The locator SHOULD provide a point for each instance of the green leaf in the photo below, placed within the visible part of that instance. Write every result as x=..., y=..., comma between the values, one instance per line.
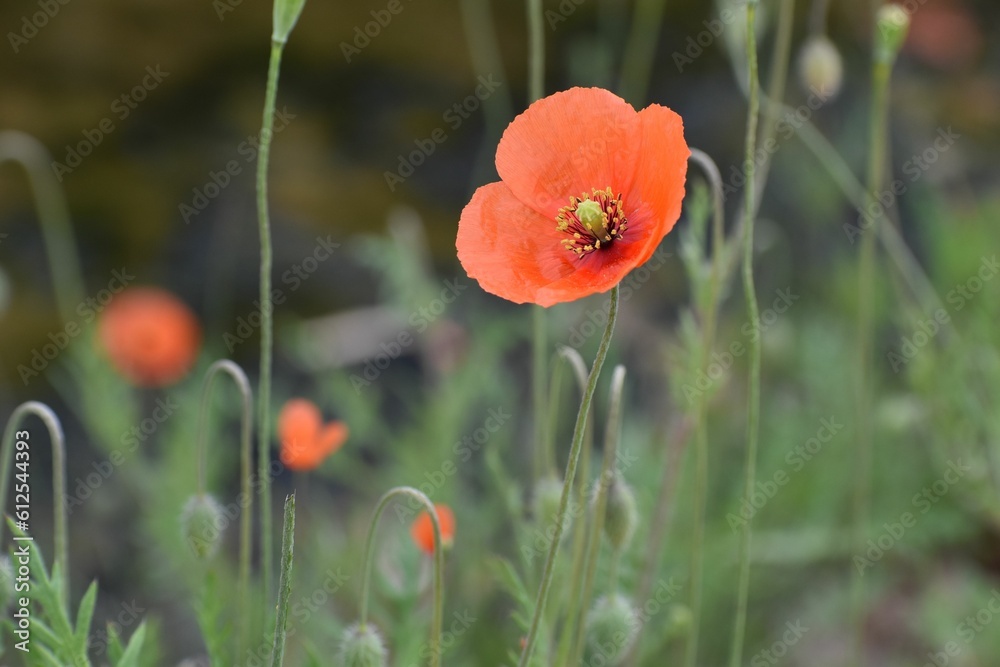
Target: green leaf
x=130, y=658
x=115, y=648
x=84, y=616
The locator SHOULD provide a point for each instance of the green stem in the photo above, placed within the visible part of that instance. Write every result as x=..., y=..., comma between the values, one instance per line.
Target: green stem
x=579, y=546
x=538, y=381
x=574, y=457
x=536, y=50
x=864, y=393
x=284, y=583
x=53, y=216
x=701, y=426
x=58, y=440
x=267, y=324
x=246, y=394
x=596, y=527
x=753, y=391
x=438, y=618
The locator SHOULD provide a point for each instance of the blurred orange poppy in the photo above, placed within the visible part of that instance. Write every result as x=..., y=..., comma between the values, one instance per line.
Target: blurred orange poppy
x=422, y=529
x=151, y=337
x=589, y=187
x=305, y=439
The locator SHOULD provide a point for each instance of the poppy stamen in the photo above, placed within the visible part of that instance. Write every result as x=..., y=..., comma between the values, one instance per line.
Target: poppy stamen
x=593, y=221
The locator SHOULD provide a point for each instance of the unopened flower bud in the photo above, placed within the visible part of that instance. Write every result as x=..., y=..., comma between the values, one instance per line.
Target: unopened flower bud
x=202, y=523
x=621, y=516
x=610, y=630
x=362, y=646
x=893, y=23
x=820, y=67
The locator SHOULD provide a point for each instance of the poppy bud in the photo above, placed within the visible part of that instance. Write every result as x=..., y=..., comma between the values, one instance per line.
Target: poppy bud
x=610, y=630
x=202, y=523
x=545, y=504
x=820, y=66
x=621, y=515
x=7, y=592
x=362, y=646
x=893, y=23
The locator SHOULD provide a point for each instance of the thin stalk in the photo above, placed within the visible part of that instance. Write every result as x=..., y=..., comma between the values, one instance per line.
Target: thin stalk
x=246, y=394
x=753, y=391
x=539, y=367
x=866, y=334
x=536, y=50
x=266, y=324
x=701, y=422
x=600, y=504
x=579, y=546
x=58, y=441
x=548, y=466
x=53, y=217
x=438, y=617
x=574, y=457
x=284, y=583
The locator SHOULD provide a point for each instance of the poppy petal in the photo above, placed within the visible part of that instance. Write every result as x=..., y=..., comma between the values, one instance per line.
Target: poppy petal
x=510, y=249
x=568, y=144
x=331, y=437
x=653, y=204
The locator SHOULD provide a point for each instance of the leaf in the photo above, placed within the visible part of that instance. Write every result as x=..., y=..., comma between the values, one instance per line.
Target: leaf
x=84, y=616
x=130, y=658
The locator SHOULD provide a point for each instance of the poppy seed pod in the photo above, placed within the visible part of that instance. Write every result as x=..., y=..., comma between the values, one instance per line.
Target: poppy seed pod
x=610, y=630
x=893, y=23
x=362, y=646
x=7, y=591
x=621, y=516
x=820, y=67
x=202, y=523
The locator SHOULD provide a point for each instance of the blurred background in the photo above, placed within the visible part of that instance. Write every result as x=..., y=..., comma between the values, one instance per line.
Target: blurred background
x=151, y=110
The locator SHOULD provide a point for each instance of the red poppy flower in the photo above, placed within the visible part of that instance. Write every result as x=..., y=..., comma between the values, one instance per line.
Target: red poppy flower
x=150, y=336
x=422, y=529
x=589, y=187
x=305, y=439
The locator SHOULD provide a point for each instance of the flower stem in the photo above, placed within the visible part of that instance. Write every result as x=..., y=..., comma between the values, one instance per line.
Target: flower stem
x=246, y=394
x=53, y=216
x=438, y=618
x=865, y=345
x=267, y=324
x=640, y=48
x=574, y=456
x=536, y=51
x=58, y=440
x=596, y=527
x=285, y=583
x=753, y=391
x=708, y=318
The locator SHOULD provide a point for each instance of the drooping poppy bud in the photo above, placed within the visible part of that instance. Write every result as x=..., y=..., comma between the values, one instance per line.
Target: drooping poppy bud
x=362, y=646
x=202, y=523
